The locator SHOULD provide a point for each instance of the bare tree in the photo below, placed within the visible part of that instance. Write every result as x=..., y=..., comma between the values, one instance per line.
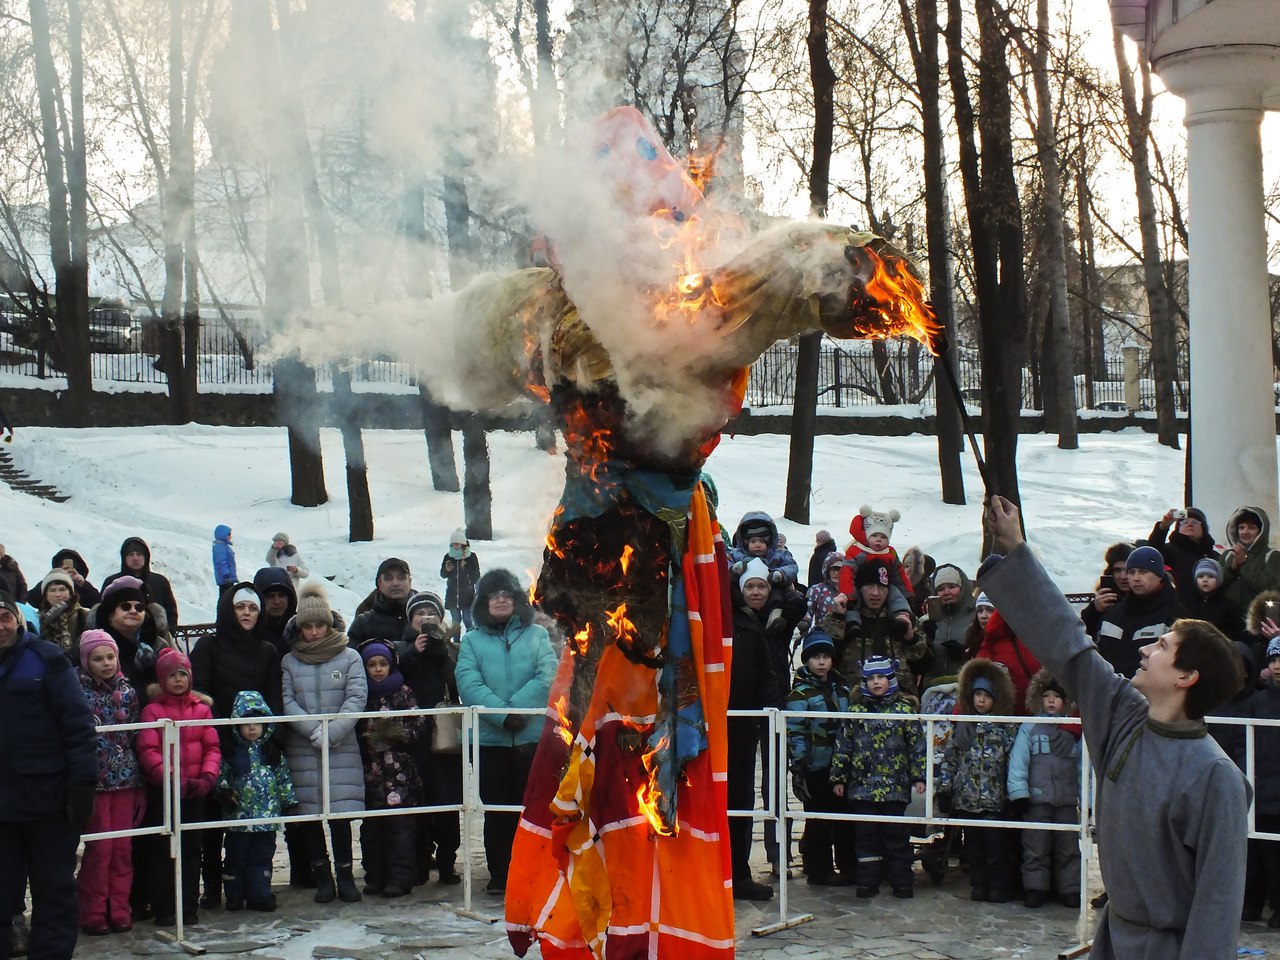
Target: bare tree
x=63, y=133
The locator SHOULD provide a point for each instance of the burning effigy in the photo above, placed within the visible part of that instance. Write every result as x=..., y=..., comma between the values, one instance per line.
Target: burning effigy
x=622, y=849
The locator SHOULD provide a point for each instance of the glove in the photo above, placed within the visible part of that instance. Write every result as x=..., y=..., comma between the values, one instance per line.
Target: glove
x=144, y=659
x=899, y=628
x=953, y=646
x=514, y=722
x=800, y=786
x=80, y=804
x=1017, y=809
x=777, y=577
x=944, y=802
x=737, y=568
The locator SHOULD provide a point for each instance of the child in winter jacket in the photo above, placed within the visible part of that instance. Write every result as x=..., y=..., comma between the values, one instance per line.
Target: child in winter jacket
x=819, y=688
x=877, y=764
x=172, y=697
x=106, y=869
x=253, y=784
x=224, y=558
x=427, y=659
x=821, y=594
x=974, y=774
x=871, y=530
x=1044, y=786
x=1208, y=599
x=391, y=778
x=1262, y=878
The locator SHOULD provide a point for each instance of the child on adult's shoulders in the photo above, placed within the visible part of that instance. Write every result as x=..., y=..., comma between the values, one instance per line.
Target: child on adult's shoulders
x=757, y=539
x=871, y=531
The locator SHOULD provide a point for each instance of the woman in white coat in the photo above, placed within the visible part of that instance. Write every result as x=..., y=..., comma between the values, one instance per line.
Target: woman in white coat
x=322, y=674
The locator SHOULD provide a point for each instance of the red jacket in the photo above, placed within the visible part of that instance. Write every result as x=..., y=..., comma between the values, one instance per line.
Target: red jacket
x=1001, y=644
x=199, y=757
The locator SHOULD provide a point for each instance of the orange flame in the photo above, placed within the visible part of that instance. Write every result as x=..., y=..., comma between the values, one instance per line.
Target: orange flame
x=625, y=560
x=896, y=303
x=563, y=726
x=582, y=640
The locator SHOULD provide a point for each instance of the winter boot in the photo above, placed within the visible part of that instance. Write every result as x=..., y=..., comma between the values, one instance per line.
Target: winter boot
x=325, y=892
x=347, y=890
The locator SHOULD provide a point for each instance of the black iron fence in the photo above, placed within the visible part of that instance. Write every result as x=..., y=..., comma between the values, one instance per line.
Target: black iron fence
x=230, y=355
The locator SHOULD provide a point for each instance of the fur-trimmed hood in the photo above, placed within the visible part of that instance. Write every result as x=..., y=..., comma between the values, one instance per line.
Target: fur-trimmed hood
x=489, y=584
x=997, y=675
x=1263, y=542
x=1036, y=688
x=1253, y=618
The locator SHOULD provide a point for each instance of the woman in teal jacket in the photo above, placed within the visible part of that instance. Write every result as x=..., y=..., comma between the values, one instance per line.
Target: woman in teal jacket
x=505, y=661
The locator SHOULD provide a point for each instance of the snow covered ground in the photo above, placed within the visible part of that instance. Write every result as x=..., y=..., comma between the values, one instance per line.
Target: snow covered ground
x=172, y=485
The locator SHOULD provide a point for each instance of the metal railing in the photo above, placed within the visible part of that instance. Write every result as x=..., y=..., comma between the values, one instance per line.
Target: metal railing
x=778, y=805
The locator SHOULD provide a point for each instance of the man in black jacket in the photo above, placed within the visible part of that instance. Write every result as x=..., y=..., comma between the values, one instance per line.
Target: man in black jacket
x=1143, y=616
x=48, y=777
x=385, y=618
x=279, y=604
x=135, y=561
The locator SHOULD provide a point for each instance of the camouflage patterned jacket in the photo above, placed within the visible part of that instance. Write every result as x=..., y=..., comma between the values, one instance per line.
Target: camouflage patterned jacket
x=975, y=765
x=879, y=760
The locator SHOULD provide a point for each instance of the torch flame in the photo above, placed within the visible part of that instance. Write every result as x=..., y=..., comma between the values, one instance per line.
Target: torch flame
x=563, y=726
x=896, y=303
x=625, y=560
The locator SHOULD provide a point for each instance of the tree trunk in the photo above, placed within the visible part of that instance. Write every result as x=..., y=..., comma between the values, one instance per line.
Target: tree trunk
x=177, y=210
x=477, y=500
x=67, y=184
x=359, y=503
x=1159, y=305
x=1062, y=359
x=995, y=227
x=1091, y=319
x=294, y=386
x=922, y=38
x=804, y=411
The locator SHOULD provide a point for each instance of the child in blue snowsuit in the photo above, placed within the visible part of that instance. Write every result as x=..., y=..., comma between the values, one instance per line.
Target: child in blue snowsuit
x=254, y=783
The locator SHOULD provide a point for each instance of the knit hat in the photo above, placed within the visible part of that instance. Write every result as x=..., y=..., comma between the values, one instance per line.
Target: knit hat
x=1210, y=566
x=377, y=648
x=872, y=571
x=90, y=640
x=247, y=595
x=756, y=569
x=170, y=662
x=280, y=536
x=8, y=602
x=1049, y=684
x=756, y=528
x=313, y=606
x=1195, y=513
x=947, y=576
x=823, y=536
x=1273, y=648
x=878, y=521
x=424, y=598
x=118, y=591
x=985, y=685
x=1146, y=558
x=983, y=601
x=392, y=563
x=816, y=641
x=57, y=576
x=876, y=666
x=459, y=536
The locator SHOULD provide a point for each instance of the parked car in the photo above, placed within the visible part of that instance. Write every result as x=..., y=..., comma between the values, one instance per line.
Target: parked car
x=113, y=328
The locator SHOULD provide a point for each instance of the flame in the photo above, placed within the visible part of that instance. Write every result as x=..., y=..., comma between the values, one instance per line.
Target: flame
x=563, y=726
x=582, y=640
x=625, y=560
x=895, y=302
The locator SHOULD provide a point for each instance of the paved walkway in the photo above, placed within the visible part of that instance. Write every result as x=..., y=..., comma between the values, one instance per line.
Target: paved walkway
x=940, y=923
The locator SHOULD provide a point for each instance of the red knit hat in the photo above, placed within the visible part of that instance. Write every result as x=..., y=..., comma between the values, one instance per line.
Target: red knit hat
x=170, y=662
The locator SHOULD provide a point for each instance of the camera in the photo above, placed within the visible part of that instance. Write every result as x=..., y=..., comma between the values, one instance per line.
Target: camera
x=1178, y=514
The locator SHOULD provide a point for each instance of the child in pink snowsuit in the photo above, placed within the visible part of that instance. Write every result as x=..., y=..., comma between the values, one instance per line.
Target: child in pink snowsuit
x=106, y=869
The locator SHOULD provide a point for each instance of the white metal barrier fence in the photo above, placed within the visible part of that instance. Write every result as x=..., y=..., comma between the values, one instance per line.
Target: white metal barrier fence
x=778, y=806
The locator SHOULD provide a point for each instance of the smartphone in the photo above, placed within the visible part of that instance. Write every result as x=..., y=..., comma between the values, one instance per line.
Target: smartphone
x=68, y=565
x=933, y=606
x=1107, y=582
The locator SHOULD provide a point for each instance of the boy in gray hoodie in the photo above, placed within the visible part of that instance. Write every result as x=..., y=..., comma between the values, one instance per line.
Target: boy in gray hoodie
x=1172, y=809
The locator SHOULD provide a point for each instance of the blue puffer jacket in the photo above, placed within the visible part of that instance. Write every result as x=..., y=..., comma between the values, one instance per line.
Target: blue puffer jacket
x=224, y=557
x=50, y=739
x=113, y=703
x=505, y=665
x=254, y=781
x=810, y=742
x=778, y=558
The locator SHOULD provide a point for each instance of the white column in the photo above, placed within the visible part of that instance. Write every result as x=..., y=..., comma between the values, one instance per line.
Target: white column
x=1233, y=423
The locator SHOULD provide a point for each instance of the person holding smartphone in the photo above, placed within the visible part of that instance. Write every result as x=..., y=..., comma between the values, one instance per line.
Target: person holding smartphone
x=1113, y=586
x=1183, y=539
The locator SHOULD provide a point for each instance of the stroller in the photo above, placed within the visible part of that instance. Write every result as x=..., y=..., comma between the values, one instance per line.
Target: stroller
x=934, y=850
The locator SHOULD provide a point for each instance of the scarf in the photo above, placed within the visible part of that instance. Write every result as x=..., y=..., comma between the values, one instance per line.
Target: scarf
x=322, y=650
x=388, y=685
x=55, y=624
